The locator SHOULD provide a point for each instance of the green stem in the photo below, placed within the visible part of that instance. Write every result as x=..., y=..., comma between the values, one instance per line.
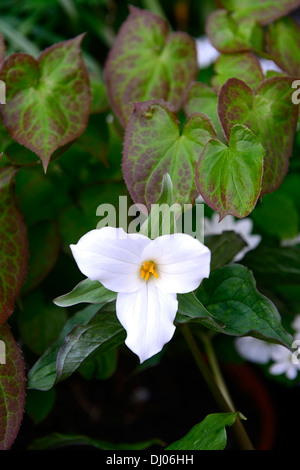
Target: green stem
x=216, y=384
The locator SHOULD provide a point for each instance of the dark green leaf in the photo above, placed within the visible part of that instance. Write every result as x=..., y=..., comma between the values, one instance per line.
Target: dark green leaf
x=230, y=295
x=210, y=434
x=43, y=374
x=281, y=265
x=57, y=441
x=87, y=291
x=224, y=248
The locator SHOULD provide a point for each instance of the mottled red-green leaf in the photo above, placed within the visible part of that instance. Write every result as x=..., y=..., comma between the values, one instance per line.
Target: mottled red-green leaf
x=13, y=245
x=263, y=11
x=270, y=114
x=154, y=146
x=148, y=62
x=200, y=98
x=242, y=65
x=283, y=44
x=229, y=177
x=229, y=35
x=48, y=99
x=12, y=389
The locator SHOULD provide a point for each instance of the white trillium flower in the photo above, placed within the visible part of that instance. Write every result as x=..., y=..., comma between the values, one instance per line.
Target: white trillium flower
x=147, y=274
x=243, y=227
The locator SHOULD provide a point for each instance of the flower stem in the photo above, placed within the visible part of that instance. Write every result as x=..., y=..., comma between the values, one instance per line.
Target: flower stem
x=216, y=384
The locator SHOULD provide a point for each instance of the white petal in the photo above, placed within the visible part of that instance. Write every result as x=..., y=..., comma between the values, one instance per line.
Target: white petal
x=111, y=256
x=147, y=316
x=278, y=368
x=253, y=349
x=181, y=262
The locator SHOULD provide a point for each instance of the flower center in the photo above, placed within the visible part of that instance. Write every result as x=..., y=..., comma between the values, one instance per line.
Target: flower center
x=148, y=268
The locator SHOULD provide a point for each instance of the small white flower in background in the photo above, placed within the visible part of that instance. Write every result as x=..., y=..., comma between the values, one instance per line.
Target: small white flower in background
x=253, y=349
x=283, y=362
x=243, y=227
x=206, y=53
x=267, y=65
x=147, y=274
x=291, y=241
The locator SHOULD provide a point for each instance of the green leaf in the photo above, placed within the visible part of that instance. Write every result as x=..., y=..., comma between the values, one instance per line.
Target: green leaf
x=48, y=99
x=100, y=367
x=190, y=309
x=242, y=65
x=281, y=265
x=87, y=291
x=154, y=146
x=264, y=11
x=210, y=434
x=40, y=322
x=283, y=39
x=13, y=245
x=224, y=248
x=58, y=440
x=270, y=114
x=230, y=295
x=43, y=374
x=228, y=35
x=147, y=62
x=229, y=177
x=203, y=99
x=44, y=245
x=283, y=225
x=12, y=389
x=39, y=404
x=101, y=333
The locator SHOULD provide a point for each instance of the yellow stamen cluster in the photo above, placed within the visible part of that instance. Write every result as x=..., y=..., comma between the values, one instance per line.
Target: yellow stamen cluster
x=147, y=269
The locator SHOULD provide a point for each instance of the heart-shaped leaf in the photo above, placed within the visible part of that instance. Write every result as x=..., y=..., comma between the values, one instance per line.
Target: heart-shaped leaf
x=12, y=388
x=200, y=98
x=230, y=295
x=147, y=62
x=154, y=146
x=229, y=177
x=228, y=35
x=242, y=65
x=48, y=99
x=13, y=245
x=283, y=39
x=270, y=114
x=264, y=11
